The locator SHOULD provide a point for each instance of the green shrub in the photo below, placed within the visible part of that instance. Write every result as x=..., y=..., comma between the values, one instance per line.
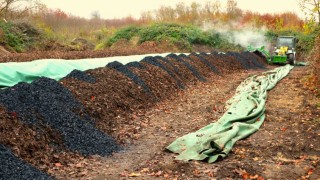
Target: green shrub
x=271, y=35
x=126, y=33
x=177, y=33
x=181, y=36
x=11, y=37
x=100, y=46
x=159, y=32
x=305, y=43
x=20, y=36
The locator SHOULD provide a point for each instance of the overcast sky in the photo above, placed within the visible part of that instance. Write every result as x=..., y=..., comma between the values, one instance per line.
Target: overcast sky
x=122, y=8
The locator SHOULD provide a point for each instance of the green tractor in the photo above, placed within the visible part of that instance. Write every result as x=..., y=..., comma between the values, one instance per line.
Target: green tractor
x=285, y=50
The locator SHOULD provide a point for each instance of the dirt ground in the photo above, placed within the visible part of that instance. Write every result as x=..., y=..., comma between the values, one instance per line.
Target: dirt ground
x=286, y=147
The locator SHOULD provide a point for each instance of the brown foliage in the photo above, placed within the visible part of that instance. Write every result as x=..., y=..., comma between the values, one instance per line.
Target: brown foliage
x=286, y=20
x=314, y=81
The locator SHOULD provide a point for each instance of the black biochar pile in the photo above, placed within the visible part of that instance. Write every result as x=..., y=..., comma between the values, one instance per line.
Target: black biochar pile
x=80, y=75
x=127, y=72
x=189, y=66
x=244, y=62
x=46, y=101
x=202, y=57
x=254, y=58
x=135, y=64
x=176, y=70
x=154, y=61
x=12, y=167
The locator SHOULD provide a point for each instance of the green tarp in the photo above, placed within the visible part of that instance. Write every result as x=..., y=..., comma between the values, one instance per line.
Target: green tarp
x=244, y=116
x=14, y=72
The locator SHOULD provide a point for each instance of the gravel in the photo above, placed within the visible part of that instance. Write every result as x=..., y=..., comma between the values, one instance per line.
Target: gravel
x=12, y=167
x=127, y=72
x=80, y=75
x=46, y=101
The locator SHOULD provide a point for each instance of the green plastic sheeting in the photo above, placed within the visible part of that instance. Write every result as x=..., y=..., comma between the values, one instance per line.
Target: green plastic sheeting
x=245, y=115
x=14, y=72
x=302, y=64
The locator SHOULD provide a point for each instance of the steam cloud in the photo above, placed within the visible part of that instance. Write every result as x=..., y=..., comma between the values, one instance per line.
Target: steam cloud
x=244, y=36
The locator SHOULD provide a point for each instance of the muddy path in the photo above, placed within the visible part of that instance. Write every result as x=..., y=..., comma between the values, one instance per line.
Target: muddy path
x=286, y=147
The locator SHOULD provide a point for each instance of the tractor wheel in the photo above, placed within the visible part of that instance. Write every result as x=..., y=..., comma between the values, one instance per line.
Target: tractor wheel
x=291, y=59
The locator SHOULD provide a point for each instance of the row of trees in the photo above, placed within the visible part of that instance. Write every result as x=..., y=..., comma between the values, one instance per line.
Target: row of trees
x=211, y=13
x=193, y=14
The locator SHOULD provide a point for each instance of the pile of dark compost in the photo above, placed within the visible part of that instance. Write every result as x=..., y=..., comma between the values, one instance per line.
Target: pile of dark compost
x=96, y=112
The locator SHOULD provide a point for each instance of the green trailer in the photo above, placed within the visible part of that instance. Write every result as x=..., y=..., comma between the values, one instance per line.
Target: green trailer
x=279, y=59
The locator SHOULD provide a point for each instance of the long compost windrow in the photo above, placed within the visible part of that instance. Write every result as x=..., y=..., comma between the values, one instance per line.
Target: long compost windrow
x=92, y=112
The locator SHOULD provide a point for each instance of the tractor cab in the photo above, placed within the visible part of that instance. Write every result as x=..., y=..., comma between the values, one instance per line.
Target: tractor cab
x=285, y=50
x=288, y=41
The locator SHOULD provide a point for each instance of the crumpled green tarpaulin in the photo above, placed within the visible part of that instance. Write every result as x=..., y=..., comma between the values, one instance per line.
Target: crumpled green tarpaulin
x=245, y=115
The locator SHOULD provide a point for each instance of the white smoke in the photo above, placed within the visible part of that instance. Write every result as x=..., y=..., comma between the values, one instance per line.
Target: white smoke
x=247, y=37
x=237, y=34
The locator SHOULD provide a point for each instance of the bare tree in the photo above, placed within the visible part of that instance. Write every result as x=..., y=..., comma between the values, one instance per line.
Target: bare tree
x=17, y=7
x=311, y=8
x=231, y=6
x=95, y=15
x=195, y=9
x=211, y=9
x=183, y=12
x=166, y=13
x=146, y=17
x=232, y=9
x=216, y=7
